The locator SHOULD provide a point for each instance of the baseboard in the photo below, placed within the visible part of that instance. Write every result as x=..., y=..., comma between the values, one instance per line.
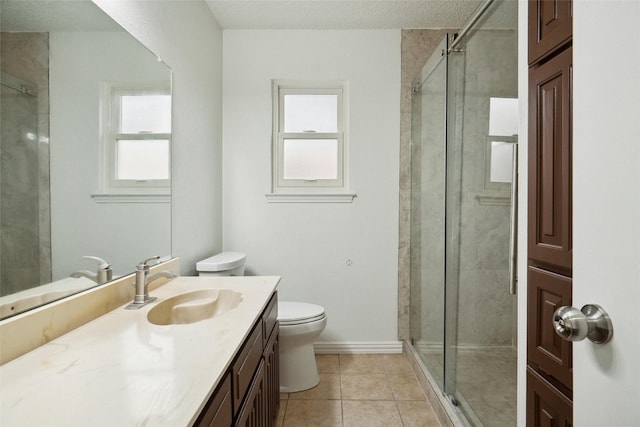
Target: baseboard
x=374, y=347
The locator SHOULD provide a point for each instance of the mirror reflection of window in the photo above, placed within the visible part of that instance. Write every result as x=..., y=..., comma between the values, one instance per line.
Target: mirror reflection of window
x=137, y=138
x=140, y=160
x=142, y=153
x=142, y=113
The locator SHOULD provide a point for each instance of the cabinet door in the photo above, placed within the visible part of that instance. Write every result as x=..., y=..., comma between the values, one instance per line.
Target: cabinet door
x=218, y=411
x=270, y=317
x=245, y=365
x=546, y=349
x=550, y=164
x=546, y=406
x=253, y=413
x=272, y=376
x=550, y=27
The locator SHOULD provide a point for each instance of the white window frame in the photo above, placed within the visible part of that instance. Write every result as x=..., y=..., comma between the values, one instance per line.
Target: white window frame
x=327, y=190
x=109, y=131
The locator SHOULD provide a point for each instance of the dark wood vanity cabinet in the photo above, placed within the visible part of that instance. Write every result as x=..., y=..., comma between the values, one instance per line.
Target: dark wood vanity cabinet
x=249, y=394
x=549, y=275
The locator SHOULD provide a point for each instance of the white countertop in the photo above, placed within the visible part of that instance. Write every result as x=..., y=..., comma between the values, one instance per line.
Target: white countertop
x=121, y=370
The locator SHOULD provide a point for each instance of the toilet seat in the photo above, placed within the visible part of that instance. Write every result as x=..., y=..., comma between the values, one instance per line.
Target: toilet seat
x=298, y=313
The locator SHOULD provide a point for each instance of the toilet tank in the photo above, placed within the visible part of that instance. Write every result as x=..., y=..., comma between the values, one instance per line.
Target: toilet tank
x=222, y=264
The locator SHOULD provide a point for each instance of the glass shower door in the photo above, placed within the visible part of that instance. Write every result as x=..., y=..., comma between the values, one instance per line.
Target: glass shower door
x=482, y=133
x=428, y=213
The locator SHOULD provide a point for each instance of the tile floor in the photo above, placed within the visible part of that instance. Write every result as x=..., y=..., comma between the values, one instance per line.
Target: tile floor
x=364, y=390
x=486, y=382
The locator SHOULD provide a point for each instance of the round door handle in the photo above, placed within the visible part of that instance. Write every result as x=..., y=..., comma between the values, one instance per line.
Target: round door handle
x=591, y=321
x=570, y=323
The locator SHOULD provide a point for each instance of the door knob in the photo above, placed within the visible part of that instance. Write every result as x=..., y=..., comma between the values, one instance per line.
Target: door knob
x=589, y=322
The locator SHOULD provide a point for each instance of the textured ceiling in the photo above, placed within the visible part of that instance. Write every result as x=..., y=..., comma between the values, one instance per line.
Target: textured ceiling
x=54, y=15
x=341, y=14
x=81, y=15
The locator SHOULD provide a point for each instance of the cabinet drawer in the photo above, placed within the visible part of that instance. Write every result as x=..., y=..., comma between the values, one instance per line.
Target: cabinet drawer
x=246, y=364
x=218, y=411
x=546, y=406
x=270, y=316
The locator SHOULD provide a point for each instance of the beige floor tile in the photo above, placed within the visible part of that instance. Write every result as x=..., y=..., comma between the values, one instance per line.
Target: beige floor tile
x=328, y=363
x=328, y=388
x=365, y=387
x=417, y=414
x=370, y=413
x=284, y=396
x=406, y=387
x=362, y=364
x=396, y=364
x=281, y=411
x=313, y=413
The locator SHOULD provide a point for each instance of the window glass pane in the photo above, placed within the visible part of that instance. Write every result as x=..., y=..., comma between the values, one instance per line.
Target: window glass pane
x=503, y=116
x=142, y=159
x=303, y=113
x=145, y=113
x=310, y=159
x=501, y=161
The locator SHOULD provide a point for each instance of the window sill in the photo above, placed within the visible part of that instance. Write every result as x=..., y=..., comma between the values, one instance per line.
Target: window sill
x=310, y=198
x=131, y=198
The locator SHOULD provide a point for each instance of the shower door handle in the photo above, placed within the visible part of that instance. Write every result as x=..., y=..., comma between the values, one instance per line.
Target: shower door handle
x=513, y=229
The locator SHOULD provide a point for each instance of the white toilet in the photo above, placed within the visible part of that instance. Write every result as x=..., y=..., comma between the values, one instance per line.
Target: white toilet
x=300, y=325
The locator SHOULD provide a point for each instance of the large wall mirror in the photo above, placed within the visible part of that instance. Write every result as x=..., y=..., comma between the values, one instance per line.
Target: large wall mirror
x=85, y=151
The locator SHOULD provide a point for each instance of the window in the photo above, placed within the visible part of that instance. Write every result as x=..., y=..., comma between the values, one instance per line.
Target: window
x=309, y=138
x=136, y=133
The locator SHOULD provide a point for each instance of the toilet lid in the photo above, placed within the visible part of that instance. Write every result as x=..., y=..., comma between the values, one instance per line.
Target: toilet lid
x=290, y=312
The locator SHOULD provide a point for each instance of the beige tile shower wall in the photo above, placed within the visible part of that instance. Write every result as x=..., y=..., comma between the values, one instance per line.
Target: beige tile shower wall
x=417, y=47
x=485, y=307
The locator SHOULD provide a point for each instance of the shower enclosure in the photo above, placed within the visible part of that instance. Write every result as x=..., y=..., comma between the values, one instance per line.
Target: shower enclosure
x=25, y=219
x=464, y=182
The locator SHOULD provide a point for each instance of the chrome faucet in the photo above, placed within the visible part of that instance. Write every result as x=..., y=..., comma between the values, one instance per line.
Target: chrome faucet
x=143, y=278
x=103, y=275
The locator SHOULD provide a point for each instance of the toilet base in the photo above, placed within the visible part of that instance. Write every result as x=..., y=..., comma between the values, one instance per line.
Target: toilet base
x=298, y=369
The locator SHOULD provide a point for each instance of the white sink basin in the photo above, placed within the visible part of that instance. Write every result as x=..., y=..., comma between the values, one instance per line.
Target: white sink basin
x=194, y=306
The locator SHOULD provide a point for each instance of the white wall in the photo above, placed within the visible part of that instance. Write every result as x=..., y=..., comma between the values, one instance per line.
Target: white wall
x=606, y=200
x=310, y=244
x=523, y=135
x=79, y=63
x=187, y=37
